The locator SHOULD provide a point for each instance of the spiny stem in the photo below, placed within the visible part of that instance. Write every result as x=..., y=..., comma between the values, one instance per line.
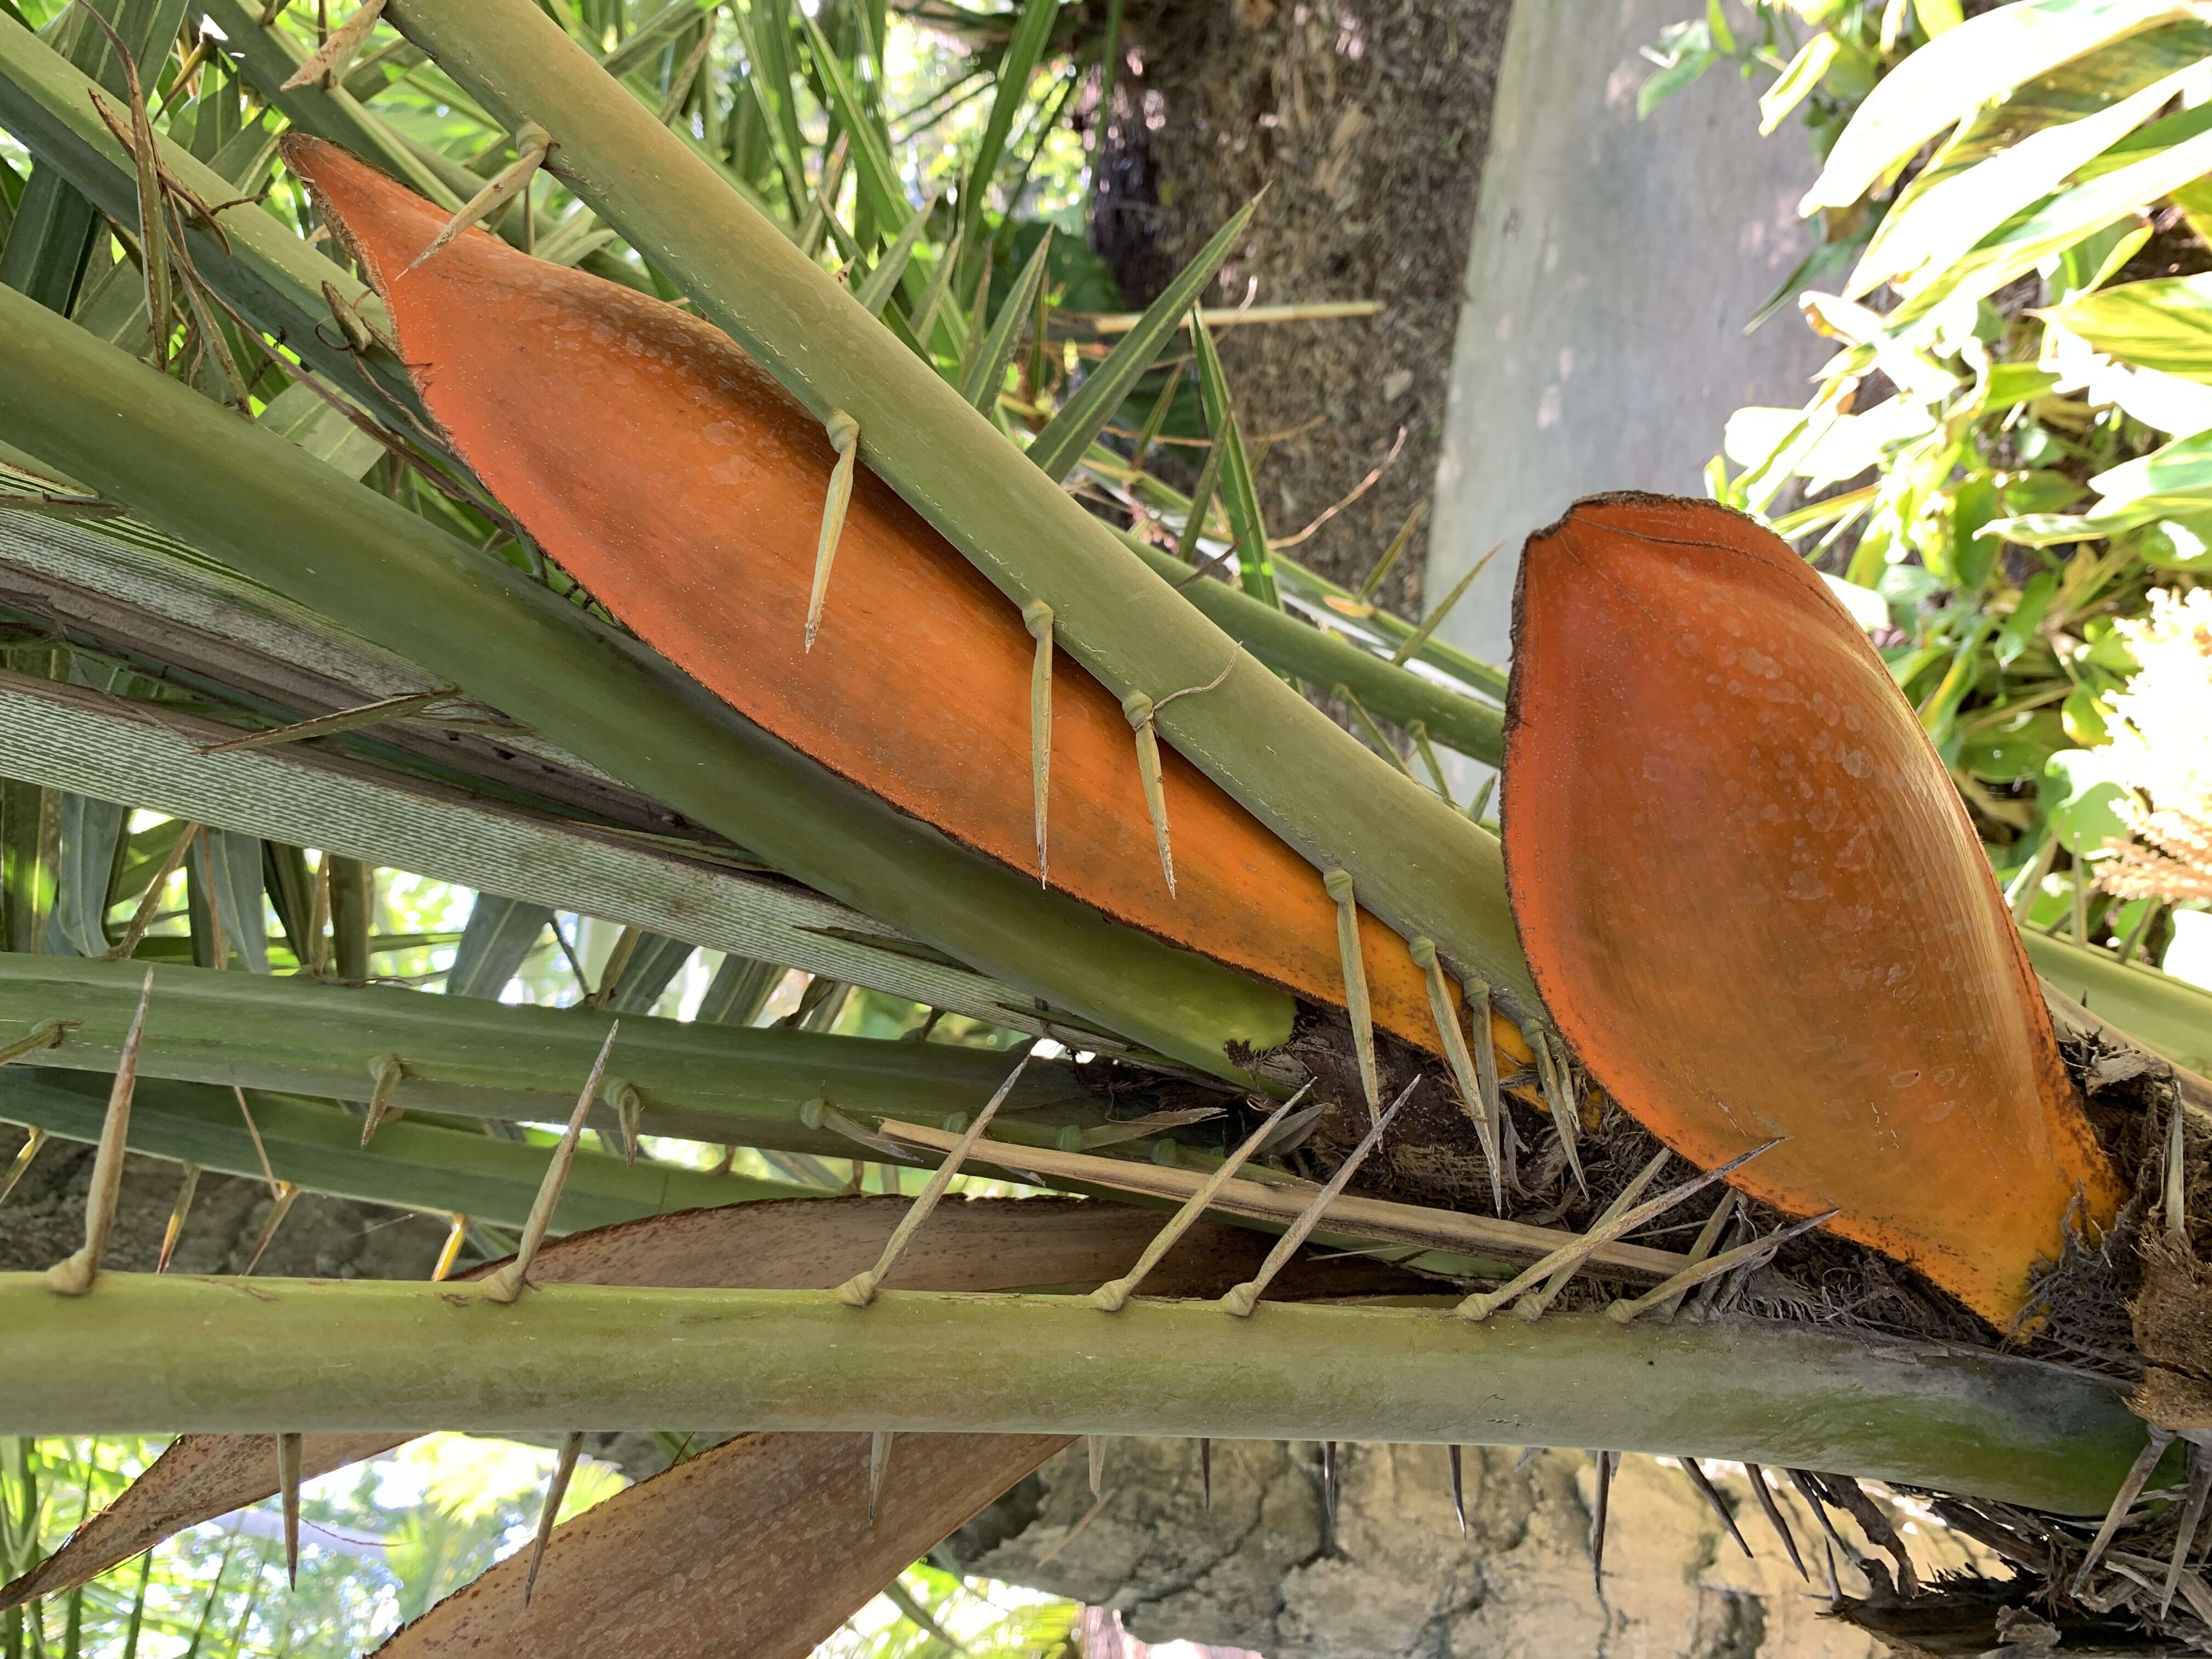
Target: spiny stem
x=74, y=1274
x=388, y=1070
x=506, y=1284
x=1114, y=1292
x=456, y=1233
x=182, y=1208
x=1244, y=1297
x=1727, y=1262
x=1612, y=1224
x=531, y=148
x=1036, y=615
x=1424, y=953
x=844, y=432
x=288, y=1486
x=1355, y=1003
x=564, y=1467
x=21, y=1164
x=861, y=1289
x=336, y=54
x=280, y=1205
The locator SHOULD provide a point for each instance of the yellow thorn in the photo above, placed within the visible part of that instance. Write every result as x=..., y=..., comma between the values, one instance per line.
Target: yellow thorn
x=506, y=1284
x=456, y=1235
x=1036, y=615
x=845, y=438
x=177, y=1214
x=74, y=1275
x=21, y=1166
x=1557, y=1096
x=1355, y=1003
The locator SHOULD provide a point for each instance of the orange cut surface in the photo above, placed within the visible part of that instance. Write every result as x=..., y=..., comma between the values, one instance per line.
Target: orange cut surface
x=1754, y=903
x=670, y=476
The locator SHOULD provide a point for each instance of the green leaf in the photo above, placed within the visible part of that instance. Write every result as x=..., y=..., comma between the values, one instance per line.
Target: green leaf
x=1797, y=81
x=500, y=934
x=2057, y=222
x=2077, y=89
x=872, y=161
x=2014, y=749
x=1024, y=50
x=230, y=865
x=986, y=375
x=1069, y=434
x=1924, y=238
x=654, y=963
x=1982, y=59
x=1248, y=528
x=89, y=832
x=876, y=288
x=2165, y=324
x=2083, y=795
x=741, y=988
x=2176, y=543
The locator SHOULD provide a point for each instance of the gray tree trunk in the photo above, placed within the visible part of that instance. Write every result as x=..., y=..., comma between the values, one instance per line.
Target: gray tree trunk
x=320, y=1237
x=1261, y=1570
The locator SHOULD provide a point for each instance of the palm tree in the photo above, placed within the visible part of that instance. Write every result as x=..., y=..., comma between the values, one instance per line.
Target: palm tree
x=767, y=622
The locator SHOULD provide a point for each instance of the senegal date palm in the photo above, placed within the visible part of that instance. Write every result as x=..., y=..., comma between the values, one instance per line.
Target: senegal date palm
x=650, y=531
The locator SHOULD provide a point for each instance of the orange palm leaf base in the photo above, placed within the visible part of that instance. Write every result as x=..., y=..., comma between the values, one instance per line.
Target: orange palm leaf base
x=1756, y=907
x=668, y=474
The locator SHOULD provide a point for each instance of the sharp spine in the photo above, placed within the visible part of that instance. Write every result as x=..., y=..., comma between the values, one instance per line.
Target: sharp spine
x=1244, y=1297
x=861, y=1289
x=1772, y=1512
x=1356, y=1005
x=564, y=1467
x=1036, y=615
x=288, y=1484
x=75, y=1274
x=844, y=434
x=506, y=1284
x=1112, y=1294
x=532, y=145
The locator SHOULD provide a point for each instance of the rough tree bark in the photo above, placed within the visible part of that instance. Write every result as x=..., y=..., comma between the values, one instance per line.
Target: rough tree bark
x=1262, y=1570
